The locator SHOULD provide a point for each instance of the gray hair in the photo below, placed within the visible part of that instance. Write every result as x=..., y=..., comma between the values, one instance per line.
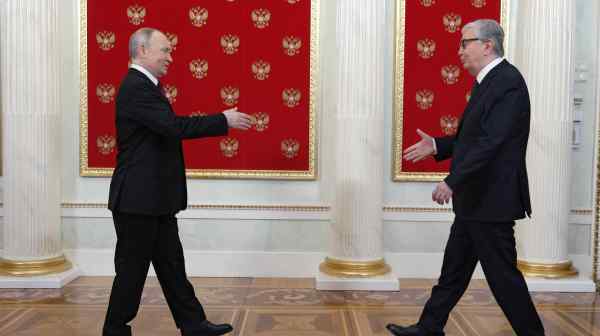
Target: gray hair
x=488, y=30
x=140, y=37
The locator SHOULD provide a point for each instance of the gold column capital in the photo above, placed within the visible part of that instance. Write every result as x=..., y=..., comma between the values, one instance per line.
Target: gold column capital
x=34, y=267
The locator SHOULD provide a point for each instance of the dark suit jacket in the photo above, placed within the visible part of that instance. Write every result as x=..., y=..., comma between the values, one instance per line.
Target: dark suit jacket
x=149, y=177
x=488, y=175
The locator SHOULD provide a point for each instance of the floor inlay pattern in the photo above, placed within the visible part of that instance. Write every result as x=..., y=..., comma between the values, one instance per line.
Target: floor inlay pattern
x=283, y=307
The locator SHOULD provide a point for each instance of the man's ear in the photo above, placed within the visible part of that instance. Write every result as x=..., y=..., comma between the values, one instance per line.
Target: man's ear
x=141, y=50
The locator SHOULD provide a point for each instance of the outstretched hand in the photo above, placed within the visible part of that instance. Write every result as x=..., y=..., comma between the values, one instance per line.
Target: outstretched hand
x=237, y=119
x=421, y=149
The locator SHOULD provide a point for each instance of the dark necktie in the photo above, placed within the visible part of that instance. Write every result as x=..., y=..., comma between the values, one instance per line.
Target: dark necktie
x=467, y=109
x=474, y=89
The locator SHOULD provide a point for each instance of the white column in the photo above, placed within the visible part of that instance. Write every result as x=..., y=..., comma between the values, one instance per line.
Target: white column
x=29, y=69
x=545, y=56
x=356, y=240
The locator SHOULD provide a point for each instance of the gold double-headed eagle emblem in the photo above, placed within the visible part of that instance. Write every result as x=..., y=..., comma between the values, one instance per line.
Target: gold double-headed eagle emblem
x=199, y=68
x=229, y=147
x=452, y=22
x=426, y=48
x=105, y=92
x=106, y=144
x=424, y=99
x=136, y=14
x=230, y=43
x=198, y=16
x=450, y=74
x=260, y=121
x=290, y=148
x=230, y=95
x=478, y=3
x=106, y=40
x=449, y=124
x=291, y=45
x=291, y=97
x=261, y=18
x=261, y=69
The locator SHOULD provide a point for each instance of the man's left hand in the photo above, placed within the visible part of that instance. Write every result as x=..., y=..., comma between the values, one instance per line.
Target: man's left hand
x=442, y=193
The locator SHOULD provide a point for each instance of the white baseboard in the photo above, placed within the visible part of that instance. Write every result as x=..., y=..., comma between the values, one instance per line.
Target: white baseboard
x=43, y=281
x=282, y=264
x=215, y=264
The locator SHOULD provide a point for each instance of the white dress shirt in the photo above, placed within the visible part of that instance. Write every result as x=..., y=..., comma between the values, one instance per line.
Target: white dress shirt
x=145, y=72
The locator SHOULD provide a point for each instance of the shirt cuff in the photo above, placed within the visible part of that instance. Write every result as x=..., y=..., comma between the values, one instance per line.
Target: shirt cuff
x=434, y=146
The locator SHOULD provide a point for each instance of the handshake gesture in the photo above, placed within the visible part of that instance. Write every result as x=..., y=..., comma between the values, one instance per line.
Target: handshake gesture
x=237, y=119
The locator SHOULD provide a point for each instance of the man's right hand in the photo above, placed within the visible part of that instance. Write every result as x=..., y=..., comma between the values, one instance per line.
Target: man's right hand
x=421, y=149
x=237, y=119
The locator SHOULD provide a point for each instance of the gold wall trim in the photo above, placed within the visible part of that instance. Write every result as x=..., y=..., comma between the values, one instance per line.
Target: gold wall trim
x=342, y=268
x=256, y=207
x=398, y=104
x=585, y=212
x=550, y=271
x=310, y=174
x=426, y=210
x=303, y=208
x=596, y=225
x=33, y=268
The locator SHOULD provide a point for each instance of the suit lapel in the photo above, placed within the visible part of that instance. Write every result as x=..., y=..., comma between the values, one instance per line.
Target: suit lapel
x=154, y=87
x=483, y=87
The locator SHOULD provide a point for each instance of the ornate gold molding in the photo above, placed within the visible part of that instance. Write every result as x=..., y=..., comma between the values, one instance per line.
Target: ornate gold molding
x=33, y=268
x=550, y=271
x=310, y=174
x=409, y=209
x=361, y=269
x=584, y=212
x=256, y=207
x=596, y=225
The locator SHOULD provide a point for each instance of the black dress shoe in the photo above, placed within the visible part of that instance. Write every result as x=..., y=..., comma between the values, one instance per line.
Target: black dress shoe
x=206, y=328
x=413, y=330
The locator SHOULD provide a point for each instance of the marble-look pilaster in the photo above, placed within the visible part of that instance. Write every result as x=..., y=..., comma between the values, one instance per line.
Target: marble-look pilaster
x=356, y=241
x=30, y=84
x=545, y=50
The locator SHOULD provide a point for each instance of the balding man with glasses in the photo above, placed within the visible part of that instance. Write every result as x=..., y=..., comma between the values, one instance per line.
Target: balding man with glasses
x=488, y=186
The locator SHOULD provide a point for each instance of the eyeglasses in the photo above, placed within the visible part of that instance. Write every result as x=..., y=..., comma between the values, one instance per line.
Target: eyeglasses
x=464, y=42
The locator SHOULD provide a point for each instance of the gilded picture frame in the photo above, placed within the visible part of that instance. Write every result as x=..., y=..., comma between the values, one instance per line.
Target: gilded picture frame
x=309, y=174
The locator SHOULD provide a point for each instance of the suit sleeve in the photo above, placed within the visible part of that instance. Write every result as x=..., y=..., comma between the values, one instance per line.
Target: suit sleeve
x=445, y=147
x=147, y=108
x=497, y=123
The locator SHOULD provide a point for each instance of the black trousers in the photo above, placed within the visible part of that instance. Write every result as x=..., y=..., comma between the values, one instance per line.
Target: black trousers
x=143, y=239
x=493, y=245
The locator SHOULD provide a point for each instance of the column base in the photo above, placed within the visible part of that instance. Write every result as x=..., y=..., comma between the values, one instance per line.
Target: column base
x=343, y=268
x=387, y=282
x=580, y=284
x=547, y=271
x=57, y=280
x=34, y=267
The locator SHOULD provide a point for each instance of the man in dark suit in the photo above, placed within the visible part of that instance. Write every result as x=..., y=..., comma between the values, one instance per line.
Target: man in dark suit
x=488, y=186
x=148, y=188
